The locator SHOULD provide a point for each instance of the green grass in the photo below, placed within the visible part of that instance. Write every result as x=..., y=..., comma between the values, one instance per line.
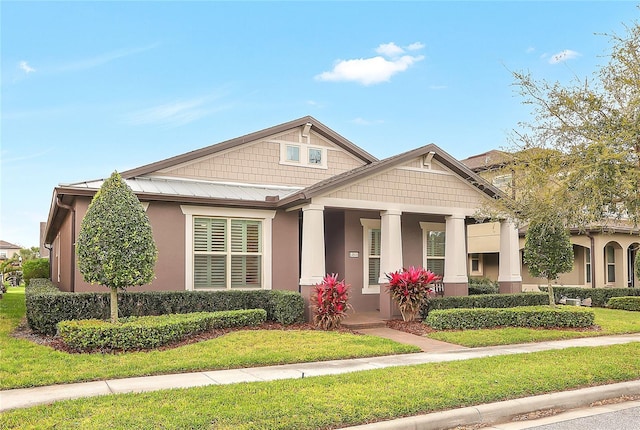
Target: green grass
x=26, y=364
x=349, y=399
x=610, y=321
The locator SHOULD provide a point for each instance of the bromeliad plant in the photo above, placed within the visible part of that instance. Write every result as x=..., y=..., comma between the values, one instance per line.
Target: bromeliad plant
x=329, y=302
x=410, y=288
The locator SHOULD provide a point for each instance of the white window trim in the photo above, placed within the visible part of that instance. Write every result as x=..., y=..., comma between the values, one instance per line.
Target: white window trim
x=367, y=225
x=304, y=155
x=266, y=216
x=612, y=264
x=426, y=228
x=587, y=266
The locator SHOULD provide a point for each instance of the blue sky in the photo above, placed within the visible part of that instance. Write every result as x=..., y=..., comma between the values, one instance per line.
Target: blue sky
x=92, y=87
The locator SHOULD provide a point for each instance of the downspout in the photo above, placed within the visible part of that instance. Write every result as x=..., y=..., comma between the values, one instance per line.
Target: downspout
x=50, y=248
x=71, y=209
x=593, y=266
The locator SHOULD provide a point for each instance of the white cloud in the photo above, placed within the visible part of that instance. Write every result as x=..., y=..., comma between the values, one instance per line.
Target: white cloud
x=562, y=56
x=25, y=67
x=389, y=50
x=362, y=121
x=416, y=46
x=374, y=70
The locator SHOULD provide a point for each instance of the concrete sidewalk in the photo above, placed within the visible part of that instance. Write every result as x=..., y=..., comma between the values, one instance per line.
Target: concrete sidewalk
x=26, y=397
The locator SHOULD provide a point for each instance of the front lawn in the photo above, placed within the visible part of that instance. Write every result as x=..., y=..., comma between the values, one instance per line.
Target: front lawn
x=342, y=400
x=26, y=364
x=610, y=322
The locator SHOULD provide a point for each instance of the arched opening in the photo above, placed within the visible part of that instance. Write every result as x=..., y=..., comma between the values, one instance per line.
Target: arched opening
x=614, y=275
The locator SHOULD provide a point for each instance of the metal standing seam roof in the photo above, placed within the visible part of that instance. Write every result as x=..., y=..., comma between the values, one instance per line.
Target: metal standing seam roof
x=194, y=188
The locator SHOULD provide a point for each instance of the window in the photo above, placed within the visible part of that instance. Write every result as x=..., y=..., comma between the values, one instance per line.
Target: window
x=610, y=258
x=227, y=248
x=315, y=156
x=372, y=248
x=433, y=241
x=227, y=253
x=303, y=155
x=476, y=264
x=3, y=254
x=502, y=182
x=293, y=153
x=587, y=264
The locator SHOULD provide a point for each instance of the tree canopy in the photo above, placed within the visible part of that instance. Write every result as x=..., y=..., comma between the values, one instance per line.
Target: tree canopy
x=579, y=156
x=115, y=246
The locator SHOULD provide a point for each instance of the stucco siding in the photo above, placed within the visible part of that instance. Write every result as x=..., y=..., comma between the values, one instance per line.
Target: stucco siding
x=259, y=163
x=405, y=186
x=285, y=250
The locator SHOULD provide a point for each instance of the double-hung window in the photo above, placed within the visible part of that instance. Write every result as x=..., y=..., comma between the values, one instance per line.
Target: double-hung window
x=610, y=257
x=372, y=248
x=227, y=253
x=433, y=241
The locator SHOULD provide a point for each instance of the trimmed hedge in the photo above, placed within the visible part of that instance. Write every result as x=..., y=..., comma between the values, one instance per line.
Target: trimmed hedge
x=151, y=331
x=485, y=301
x=624, y=303
x=599, y=296
x=530, y=316
x=47, y=306
x=483, y=286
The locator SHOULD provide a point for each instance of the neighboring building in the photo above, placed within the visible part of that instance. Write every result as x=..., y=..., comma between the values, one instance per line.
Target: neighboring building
x=8, y=250
x=603, y=257
x=42, y=250
x=281, y=207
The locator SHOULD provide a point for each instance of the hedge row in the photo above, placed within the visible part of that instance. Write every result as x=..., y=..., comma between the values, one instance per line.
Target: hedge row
x=599, y=296
x=624, y=303
x=486, y=301
x=151, y=331
x=47, y=306
x=530, y=316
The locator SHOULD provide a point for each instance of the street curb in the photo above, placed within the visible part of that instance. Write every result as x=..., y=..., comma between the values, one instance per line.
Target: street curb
x=500, y=412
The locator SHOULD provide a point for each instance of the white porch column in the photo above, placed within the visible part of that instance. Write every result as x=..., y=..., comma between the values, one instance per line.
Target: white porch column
x=509, y=277
x=455, y=278
x=390, y=256
x=312, y=264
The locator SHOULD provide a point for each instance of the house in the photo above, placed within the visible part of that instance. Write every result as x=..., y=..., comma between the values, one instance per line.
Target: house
x=603, y=255
x=8, y=250
x=281, y=207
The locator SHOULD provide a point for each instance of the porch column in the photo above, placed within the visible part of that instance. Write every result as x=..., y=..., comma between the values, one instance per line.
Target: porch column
x=509, y=277
x=312, y=264
x=390, y=256
x=456, y=279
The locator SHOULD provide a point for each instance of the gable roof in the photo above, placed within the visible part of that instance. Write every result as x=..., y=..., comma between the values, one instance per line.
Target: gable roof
x=7, y=245
x=486, y=160
x=378, y=166
x=317, y=126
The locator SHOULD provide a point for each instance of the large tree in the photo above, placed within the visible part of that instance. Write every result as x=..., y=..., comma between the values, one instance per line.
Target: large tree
x=579, y=156
x=548, y=251
x=115, y=245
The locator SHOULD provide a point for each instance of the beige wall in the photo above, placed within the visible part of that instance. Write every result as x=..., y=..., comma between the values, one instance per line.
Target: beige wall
x=413, y=187
x=483, y=238
x=259, y=163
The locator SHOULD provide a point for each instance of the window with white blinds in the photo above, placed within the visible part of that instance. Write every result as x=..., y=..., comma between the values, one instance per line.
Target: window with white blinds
x=374, y=256
x=371, y=249
x=435, y=251
x=227, y=253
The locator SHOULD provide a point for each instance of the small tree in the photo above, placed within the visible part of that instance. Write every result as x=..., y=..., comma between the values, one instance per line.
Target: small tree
x=115, y=246
x=548, y=251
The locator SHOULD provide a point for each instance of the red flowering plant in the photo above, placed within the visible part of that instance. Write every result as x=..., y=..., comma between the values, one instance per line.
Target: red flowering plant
x=329, y=302
x=410, y=288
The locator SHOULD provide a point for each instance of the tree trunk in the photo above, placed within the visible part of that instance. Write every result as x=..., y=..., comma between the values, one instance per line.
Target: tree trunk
x=552, y=299
x=114, y=305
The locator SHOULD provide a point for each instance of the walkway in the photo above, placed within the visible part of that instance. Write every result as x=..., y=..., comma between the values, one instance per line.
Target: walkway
x=25, y=397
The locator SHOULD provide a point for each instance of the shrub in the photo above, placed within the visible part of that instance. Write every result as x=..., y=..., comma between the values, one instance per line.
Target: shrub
x=329, y=302
x=483, y=286
x=47, y=306
x=599, y=296
x=287, y=307
x=36, y=268
x=486, y=301
x=151, y=331
x=409, y=288
x=624, y=303
x=530, y=316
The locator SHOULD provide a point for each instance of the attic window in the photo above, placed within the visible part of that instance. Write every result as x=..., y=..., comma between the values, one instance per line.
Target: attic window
x=303, y=155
